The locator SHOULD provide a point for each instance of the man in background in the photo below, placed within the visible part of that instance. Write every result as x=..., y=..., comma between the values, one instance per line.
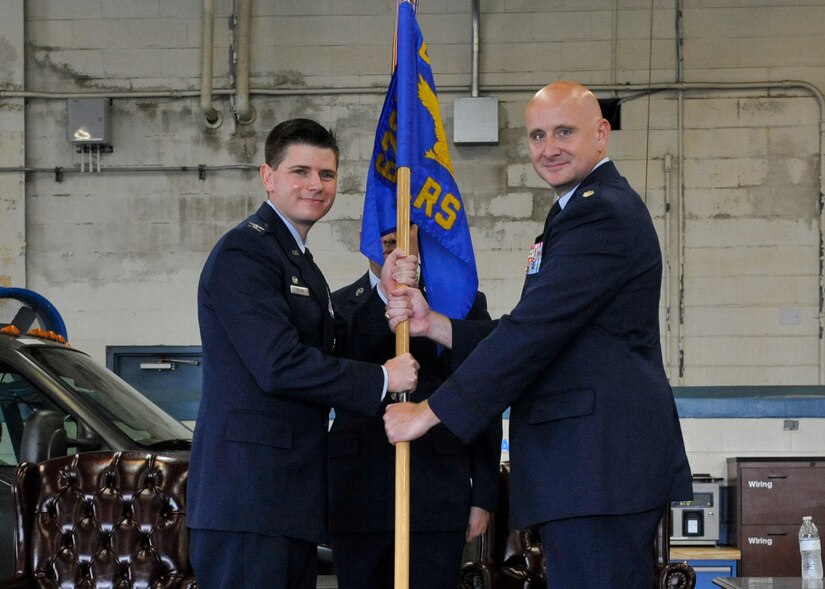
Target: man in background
x=453, y=488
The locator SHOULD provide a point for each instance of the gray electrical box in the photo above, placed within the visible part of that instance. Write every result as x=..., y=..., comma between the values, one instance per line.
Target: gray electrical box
x=89, y=121
x=475, y=120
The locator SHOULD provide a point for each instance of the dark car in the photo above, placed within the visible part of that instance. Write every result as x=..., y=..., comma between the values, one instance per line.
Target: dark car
x=56, y=400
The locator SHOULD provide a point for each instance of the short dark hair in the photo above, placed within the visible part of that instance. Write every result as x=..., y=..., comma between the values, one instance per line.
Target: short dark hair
x=297, y=131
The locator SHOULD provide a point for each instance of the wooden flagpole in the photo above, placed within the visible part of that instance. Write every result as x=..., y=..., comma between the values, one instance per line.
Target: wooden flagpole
x=402, y=346
x=402, y=449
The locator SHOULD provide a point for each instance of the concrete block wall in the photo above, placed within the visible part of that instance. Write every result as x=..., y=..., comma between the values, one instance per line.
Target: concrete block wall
x=731, y=175
x=12, y=148
x=751, y=238
x=710, y=442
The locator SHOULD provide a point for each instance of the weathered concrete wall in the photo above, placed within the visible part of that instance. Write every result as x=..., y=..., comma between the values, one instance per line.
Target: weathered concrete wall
x=12, y=147
x=119, y=252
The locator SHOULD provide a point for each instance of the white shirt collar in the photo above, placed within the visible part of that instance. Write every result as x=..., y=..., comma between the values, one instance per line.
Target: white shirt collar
x=289, y=226
x=566, y=196
x=374, y=280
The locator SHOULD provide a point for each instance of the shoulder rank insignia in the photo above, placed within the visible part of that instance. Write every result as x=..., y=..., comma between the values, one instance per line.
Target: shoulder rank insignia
x=256, y=227
x=588, y=193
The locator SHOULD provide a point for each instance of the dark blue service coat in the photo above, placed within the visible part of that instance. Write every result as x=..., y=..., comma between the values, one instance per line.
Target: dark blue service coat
x=362, y=461
x=269, y=378
x=593, y=423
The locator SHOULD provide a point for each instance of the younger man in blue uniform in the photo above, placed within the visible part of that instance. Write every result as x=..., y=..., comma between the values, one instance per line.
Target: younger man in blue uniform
x=256, y=498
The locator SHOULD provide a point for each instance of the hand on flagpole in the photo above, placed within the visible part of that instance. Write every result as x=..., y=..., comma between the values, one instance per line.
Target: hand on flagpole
x=402, y=373
x=408, y=303
x=405, y=422
x=399, y=269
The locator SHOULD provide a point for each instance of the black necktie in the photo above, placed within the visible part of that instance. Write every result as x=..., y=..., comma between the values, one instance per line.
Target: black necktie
x=308, y=255
x=318, y=284
x=554, y=210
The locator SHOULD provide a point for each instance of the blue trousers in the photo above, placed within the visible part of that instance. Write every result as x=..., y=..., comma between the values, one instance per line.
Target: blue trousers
x=243, y=560
x=601, y=552
x=367, y=560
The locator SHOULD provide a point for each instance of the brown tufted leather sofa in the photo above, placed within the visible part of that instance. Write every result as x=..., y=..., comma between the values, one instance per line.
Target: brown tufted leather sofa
x=101, y=519
x=513, y=559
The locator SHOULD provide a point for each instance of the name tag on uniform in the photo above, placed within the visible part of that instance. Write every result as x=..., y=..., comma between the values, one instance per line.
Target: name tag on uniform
x=299, y=290
x=534, y=258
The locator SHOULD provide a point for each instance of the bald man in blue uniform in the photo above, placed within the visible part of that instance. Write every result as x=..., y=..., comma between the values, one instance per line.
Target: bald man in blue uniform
x=596, y=447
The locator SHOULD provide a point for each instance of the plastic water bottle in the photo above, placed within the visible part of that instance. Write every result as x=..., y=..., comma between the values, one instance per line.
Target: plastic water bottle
x=811, y=549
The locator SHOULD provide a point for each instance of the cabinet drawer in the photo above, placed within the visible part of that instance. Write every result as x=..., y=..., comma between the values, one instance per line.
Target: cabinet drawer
x=782, y=494
x=770, y=551
x=707, y=571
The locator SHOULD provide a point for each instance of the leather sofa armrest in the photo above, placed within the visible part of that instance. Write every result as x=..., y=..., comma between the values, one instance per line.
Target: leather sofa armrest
x=677, y=575
x=517, y=578
x=477, y=575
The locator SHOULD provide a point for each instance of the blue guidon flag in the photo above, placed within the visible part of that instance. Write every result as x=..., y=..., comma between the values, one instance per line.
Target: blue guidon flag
x=411, y=134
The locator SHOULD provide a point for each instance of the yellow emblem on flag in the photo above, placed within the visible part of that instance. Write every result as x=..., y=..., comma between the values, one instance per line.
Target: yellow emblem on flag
x=440, y=151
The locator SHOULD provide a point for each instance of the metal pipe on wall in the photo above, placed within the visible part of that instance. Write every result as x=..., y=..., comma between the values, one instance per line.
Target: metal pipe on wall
x=244, y=113
x=821, y=312
x=636, y=89
x=211, y=115
x=614, y=50
x=475, y=48
x=680, y=236
x=681, y=225
x=59, y=172
x=668, y=166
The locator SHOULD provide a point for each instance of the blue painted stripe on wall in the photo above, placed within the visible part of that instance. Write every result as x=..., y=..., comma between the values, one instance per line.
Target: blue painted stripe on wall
x=750, y=401
x=691, y=402
x=747, y=401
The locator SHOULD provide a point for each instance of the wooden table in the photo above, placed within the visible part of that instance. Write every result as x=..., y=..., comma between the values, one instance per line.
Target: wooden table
x=705, y=553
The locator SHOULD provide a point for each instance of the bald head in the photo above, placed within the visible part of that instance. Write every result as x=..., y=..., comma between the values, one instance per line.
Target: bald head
x=567, y=134
x=570, y=94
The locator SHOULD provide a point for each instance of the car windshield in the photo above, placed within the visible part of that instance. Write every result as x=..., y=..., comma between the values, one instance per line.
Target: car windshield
x=135, y=415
